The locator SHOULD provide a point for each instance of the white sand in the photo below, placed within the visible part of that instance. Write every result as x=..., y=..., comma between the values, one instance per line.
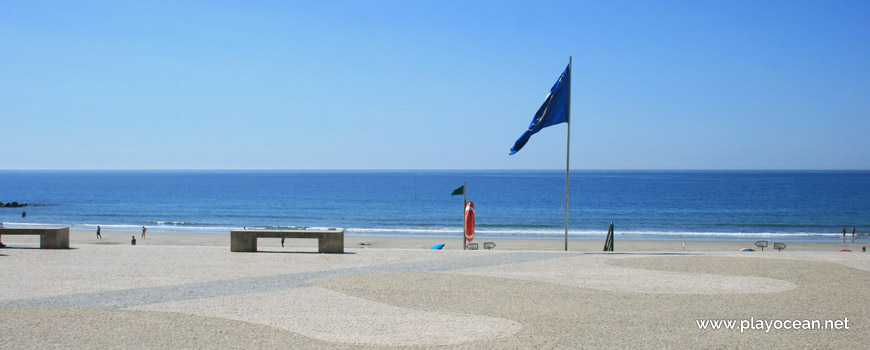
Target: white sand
x=594, y=272
x=190, y=291
x=328, y=315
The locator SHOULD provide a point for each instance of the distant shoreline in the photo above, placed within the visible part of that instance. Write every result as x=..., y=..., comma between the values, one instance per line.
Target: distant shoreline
x=861, y=237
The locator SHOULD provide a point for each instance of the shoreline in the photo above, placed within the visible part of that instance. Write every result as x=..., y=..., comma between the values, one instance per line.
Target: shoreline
x=785, y=237
x=354, y=241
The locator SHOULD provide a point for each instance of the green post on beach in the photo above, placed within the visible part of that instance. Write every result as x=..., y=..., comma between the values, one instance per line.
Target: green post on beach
x=608, y=242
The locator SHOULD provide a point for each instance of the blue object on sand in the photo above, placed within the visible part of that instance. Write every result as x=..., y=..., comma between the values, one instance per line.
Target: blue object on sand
x=747, y=250
x=438, y=246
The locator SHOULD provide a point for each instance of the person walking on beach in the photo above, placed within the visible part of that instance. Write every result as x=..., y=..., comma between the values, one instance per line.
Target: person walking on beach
x=145, y=229
x=1, y=241
x=133, y=241
x=99, y=236
x=844, y=234
x=853, y=234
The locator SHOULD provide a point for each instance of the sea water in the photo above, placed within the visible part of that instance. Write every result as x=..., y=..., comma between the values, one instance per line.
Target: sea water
x=794, y=205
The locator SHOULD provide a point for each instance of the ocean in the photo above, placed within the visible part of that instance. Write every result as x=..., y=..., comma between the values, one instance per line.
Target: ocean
x=788, y=205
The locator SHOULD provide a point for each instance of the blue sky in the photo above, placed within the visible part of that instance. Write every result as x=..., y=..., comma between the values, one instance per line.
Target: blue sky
x=433, y=84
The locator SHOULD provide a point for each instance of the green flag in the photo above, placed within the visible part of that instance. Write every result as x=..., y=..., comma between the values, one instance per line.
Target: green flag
x=460, y=190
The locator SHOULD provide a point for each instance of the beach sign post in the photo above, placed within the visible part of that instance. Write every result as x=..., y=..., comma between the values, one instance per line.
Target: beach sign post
x=458, y=191
x=555, y=110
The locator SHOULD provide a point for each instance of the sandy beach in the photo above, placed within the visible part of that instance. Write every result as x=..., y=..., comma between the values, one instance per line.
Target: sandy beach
x=412, y=242
x=190, y=291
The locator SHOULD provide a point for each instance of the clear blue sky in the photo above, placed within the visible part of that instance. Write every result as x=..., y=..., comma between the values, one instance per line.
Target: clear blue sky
x=433, y=84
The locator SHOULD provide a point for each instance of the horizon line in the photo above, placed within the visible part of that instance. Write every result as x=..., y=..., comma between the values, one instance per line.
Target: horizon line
x=423, y=169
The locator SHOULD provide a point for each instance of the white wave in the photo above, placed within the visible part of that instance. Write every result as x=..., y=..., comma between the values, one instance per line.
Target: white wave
x=124, y=227
x=439, y=231
x=550, y=232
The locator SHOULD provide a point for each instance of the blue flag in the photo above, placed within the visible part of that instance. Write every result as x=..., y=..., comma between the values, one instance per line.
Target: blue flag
x=552, y=112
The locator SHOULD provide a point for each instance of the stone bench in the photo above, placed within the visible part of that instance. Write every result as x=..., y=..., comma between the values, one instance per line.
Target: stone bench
x=329, y=241
x=49, y=238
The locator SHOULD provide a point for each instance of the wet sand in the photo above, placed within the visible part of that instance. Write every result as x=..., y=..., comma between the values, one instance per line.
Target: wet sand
x=387, y=242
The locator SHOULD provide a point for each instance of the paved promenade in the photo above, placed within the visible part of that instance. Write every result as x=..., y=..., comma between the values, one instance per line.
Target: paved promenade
x=121, y=296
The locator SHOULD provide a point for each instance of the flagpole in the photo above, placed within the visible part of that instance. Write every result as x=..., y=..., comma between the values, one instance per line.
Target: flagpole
x=568, y=154
x=464, y=203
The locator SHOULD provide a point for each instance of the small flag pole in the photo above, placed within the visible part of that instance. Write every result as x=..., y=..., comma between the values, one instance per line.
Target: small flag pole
x=568, y=154
x=464, y=202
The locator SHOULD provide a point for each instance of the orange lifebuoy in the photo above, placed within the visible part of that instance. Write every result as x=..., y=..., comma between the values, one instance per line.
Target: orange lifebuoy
x=469, y=221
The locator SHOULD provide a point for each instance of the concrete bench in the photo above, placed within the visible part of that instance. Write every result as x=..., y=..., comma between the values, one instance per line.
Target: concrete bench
x=49, y=238
x=329, y=241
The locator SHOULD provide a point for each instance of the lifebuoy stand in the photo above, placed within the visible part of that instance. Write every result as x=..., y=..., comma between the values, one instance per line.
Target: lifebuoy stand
x=469, y=222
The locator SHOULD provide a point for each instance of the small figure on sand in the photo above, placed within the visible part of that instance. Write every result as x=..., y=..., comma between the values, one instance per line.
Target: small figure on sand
x=133, y=241
x=1, y=241
x=844, y=234
x=282, y=241
x=853, y=234
x=99, y=236
x=145, y=229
